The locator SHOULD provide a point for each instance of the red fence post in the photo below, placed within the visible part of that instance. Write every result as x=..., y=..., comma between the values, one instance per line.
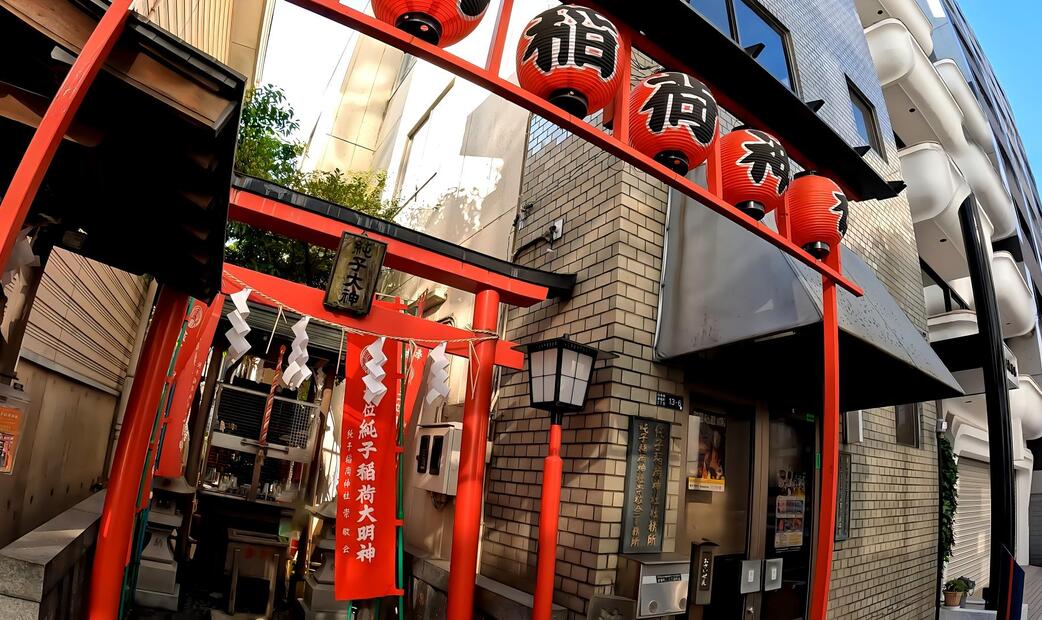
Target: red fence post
x=48, y=136
x=117, y=517
x=466, y=527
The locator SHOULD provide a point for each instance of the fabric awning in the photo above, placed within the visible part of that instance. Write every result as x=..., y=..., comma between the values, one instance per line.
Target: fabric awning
x=742, y=314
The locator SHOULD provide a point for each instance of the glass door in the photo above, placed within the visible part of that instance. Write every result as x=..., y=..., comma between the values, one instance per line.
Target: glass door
x=791, y=471
x=750, y=481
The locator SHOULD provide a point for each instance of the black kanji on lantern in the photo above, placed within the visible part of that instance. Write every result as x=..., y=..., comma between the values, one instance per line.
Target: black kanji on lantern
x=842, y=209
x=763, y=154
x=679, y=100
x=583, y=39
x=473, y=8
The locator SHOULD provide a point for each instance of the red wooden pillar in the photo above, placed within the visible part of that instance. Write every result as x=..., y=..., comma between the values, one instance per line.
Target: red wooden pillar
x=117, y=517
x=48, y=136
x=466, y=528
x=826, y=534
x=549, y=514
x=499, y=38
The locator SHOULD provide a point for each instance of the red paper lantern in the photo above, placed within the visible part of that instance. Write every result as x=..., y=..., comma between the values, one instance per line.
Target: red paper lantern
x=755, y=171
x=673, y=118
x=439, y=22
x=817, y=213
x=570, y=55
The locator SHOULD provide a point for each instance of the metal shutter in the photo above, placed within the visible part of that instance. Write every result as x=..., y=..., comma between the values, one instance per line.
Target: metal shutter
x=970, y=557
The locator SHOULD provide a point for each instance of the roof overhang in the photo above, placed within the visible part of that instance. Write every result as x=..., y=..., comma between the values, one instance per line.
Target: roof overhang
x=742, y=314
x=141, y=179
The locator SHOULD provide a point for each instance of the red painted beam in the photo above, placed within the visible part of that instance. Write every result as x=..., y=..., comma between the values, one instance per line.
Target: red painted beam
x=285, y=219
x=55, y=123
x=385, y=33
x=381, y=320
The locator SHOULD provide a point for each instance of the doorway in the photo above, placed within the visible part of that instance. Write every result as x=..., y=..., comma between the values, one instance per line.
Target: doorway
x=750, y=482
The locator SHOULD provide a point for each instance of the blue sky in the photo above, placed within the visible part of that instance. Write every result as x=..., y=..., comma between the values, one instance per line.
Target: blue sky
x=1010, y=31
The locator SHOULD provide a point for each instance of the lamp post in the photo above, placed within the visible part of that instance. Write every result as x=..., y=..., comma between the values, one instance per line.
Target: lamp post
x=559, y=373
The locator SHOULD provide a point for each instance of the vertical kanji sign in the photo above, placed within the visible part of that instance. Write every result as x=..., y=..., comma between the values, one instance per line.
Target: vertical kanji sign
x=188, y=369
x=366, y=493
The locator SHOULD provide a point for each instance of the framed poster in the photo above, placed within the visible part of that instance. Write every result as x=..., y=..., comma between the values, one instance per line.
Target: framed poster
x=712, y=442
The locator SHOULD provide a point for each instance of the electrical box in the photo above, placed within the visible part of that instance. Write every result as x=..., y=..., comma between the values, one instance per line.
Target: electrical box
x=437, y=457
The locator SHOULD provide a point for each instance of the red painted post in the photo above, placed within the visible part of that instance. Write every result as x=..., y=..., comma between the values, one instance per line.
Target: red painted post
x=117, y=517
x=466, y=528
x=826, y=535
x=499, y=37
x=621, y=108
x=549, y=513
x=48, y=136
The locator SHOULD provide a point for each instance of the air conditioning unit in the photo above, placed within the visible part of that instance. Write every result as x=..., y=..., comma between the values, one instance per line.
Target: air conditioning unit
x=437, y=457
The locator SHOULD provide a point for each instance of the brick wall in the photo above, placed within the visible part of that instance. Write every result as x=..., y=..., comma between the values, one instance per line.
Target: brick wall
x=613, y=239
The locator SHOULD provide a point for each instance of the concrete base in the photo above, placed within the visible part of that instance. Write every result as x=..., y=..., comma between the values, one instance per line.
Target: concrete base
x=157, y=577
x=159, y=600
x=312, y=614
x=963, y=613
x=321, y=596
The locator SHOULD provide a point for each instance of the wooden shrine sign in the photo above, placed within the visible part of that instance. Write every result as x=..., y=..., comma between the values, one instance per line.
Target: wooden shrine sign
x=353, y=278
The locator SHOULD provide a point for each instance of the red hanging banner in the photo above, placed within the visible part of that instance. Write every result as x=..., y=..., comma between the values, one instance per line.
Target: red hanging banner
x=366, y=514
x=188, y=369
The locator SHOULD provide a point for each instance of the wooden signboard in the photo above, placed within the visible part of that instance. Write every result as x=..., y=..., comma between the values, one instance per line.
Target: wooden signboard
x=353, y=278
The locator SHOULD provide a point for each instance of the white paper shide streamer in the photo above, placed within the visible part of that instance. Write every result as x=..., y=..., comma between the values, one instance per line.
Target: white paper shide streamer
x=297, y=370
x=21, y=257
x=374, y=372
x=236, y=334
x=438, y=377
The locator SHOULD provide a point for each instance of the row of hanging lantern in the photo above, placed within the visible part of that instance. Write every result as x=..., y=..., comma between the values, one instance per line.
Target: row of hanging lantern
x=571, y=56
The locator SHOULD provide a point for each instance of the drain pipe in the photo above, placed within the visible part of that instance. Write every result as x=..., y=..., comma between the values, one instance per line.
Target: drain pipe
x=139, y=338
x=1000, y=445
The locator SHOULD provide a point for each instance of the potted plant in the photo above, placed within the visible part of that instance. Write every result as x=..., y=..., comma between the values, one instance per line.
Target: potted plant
x=956, y=590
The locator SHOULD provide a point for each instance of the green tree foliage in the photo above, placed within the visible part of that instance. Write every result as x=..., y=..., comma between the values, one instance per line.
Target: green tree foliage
x=267, y=150
x=949, y=497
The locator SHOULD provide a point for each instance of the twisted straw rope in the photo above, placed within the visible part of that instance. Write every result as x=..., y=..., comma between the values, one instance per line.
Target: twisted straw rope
x=487, y=335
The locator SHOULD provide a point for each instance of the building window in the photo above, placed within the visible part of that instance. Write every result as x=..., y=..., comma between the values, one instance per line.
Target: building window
x=865, y=120
x=843, y=498
x=745, y=23
x=907, y=422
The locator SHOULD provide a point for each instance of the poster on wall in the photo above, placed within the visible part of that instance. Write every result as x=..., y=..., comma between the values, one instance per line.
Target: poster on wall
x=789, y=509
x=366, y=523
x=10, y=433
x=709, y=468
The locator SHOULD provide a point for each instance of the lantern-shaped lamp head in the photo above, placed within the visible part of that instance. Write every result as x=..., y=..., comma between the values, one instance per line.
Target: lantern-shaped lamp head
x=559, y=372
x=817, y=213
x=755, y=170
x=570, y=55
x=673, y=118
x=438, y=22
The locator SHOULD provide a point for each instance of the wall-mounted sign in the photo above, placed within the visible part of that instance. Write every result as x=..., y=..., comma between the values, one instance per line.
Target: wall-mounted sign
x=669, y=401
x=352, y=280
x=1012, y=374
x=644, y=510
x=10, y=434
x=712, y=443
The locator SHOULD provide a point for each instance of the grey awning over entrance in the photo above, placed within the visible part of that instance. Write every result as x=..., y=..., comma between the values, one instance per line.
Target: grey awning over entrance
x=745, y=316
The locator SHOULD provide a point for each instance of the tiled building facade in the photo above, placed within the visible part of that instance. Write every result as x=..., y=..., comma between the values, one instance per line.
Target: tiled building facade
x=613, y=239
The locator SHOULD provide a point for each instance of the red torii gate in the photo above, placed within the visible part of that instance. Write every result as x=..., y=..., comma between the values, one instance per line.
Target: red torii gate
x=114, y=533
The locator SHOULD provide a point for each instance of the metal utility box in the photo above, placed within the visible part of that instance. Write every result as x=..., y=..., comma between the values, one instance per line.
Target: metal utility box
x=657, y=581
x=437, y=457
